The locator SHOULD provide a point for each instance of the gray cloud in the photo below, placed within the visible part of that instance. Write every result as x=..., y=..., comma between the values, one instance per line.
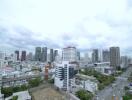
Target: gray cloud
x=85, y=25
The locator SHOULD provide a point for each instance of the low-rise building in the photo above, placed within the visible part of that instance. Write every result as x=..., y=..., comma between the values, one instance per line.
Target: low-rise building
x=88, y=83
x=90, y=86
x=104, y=68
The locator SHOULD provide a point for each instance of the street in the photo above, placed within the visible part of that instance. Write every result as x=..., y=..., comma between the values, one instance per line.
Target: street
x=116, y=89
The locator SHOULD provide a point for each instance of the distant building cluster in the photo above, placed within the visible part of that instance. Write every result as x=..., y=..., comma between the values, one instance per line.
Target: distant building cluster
x=62, y=65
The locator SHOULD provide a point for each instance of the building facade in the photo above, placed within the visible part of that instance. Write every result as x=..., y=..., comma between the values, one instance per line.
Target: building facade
x=1, y=95
x=124, y=61
x=51, y=55
x=106, y=56
x=55, y=54
x=78, y=55
x=115, y=57
x=44, y=54
x=63, y=73
x=29, y=56
x=95, y=56
x=38, y=54
x=69, y=54
x=2, y=59
x=17, y=55
x=23, y=56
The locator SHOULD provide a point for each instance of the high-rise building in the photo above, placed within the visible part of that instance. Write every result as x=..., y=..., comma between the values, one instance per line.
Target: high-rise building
x=44, y=54
x=95, y=56
x=58, y=59
x=115, y=57
x=23, y=56
x=51, y=55
x=2, y=55
x=48, y=57
x=124, y=61
x=78, y=55
x=55, y=54
x=2, y=58
x=30, y=56
x=17, y=54
x=63, y=73
x=106, y=56
x=38, y=54
x=69, y=54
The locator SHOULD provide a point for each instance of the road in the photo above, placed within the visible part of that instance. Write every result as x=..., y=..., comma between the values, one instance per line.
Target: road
x=117, y=89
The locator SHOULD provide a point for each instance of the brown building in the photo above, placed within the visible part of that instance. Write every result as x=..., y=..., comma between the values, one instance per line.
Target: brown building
x=23, y=56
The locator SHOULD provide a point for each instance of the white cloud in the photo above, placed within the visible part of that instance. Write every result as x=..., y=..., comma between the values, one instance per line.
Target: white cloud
x=85, y=23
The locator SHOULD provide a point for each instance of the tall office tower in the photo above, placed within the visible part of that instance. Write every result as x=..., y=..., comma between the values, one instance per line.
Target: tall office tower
x=78, y=55
x=106, y=56
x=17, y=54
x=2, y=59
x=23, y=56
x=44, y=54
x=124, y=61
x=63, y=73
x=95, y=56
x=69, y=54
x=51, y=55
x=38, y=54
x=129, y=61
x=48, y=57
x=2, y=55
x=55, y=54
x=115, y=57
x=30, y=56
x=58, y=59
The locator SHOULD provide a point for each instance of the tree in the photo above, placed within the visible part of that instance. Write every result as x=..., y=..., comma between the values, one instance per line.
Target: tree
x=103, y=79
x=8, y=91
x=16, y=89
x=15, y=98
x=126, y=88
x=35, y=82
x=23, y=87
x=84, y=95
x=127, y=96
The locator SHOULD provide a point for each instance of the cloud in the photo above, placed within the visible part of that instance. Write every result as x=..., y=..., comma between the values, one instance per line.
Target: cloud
x=57, y=23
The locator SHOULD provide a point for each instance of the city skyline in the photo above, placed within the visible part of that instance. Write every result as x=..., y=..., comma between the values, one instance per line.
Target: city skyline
x=56, y=24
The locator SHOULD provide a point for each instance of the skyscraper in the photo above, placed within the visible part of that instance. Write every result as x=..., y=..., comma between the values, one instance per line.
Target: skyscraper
x=106, y=55
x=44, y=54
x=30, y=56
x=115, y=56
x=17, y=54
x=95, y=56
x=51, y=55
x=38, y=54
x=69, y=54
x=78, y=55
x=23, y=56
x=55, y=54
x=124, y=61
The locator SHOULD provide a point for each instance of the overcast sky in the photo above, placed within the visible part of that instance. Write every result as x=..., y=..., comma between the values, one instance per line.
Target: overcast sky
x=87, y=24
